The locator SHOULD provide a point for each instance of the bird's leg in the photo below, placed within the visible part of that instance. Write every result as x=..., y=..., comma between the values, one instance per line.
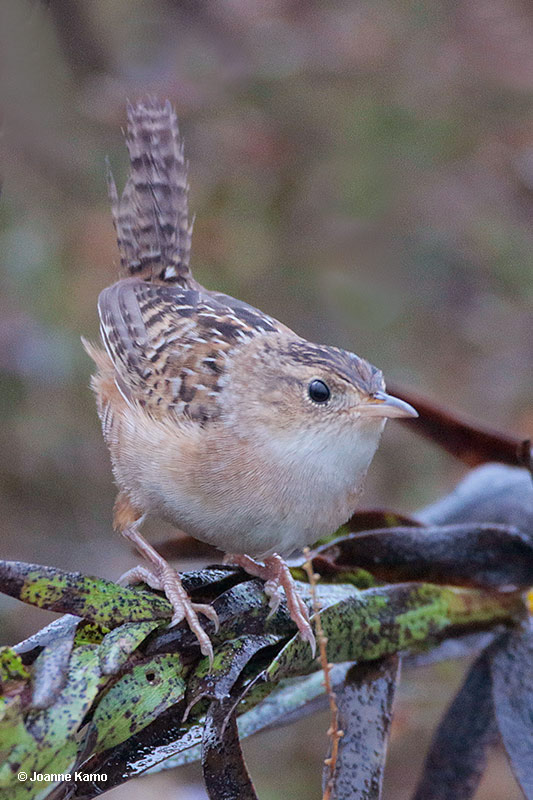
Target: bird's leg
x=276, y=574
x=164, y=578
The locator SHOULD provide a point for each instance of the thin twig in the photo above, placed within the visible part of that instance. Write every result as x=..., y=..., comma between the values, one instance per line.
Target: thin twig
x=334, y=731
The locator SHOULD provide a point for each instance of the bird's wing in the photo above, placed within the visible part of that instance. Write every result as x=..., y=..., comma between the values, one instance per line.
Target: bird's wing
x=170, y=346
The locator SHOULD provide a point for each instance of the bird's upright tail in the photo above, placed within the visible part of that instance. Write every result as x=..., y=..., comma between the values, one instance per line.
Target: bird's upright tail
x=152, y=217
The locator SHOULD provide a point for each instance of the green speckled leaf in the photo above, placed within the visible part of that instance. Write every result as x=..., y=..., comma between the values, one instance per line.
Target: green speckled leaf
x=94, y=599
x=90, y=633
x=137, y=699
x=48, y=743
x=132, y=729
x=11, y=666
x=120, y=643
x=12, y=728
x=264, y=705
x=382, y=621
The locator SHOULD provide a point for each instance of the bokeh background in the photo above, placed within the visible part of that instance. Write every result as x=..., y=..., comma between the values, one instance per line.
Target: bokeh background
x=362, y=170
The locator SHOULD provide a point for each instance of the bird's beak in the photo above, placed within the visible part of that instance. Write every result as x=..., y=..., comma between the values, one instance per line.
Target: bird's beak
x=381, y=404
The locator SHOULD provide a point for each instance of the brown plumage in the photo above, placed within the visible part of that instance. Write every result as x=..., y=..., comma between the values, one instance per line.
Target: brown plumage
x=152, y=218
x=169, y=346
x=218, y=417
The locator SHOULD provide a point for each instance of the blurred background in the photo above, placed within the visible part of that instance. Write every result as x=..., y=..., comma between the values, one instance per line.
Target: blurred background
x=361, y=170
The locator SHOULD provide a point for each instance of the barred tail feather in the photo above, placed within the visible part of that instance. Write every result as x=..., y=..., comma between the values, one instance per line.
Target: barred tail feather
x=151, y=218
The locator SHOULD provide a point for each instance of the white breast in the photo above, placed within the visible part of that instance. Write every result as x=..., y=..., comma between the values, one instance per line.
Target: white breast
x=319, y=478
x=285, y=493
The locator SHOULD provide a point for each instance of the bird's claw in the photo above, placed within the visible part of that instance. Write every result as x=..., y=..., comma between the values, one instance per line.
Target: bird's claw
x=277, y=576
x=273, y=591
x=168, y=581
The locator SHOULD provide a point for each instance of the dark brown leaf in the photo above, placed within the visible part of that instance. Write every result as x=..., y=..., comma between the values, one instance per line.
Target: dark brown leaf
x=217, y=680
x=458, y=752
x=481, y=555
x=225, y=773
x=512, y=680
x=365, y=714
x=465, y=439
x=160, y=740
x=243, y=608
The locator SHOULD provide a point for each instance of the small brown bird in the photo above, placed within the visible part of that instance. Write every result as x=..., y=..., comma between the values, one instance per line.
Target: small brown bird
x=219, y=418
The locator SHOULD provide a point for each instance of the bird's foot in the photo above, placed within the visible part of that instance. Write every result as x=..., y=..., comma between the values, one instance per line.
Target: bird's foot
x=277, y=576
x=164, y=578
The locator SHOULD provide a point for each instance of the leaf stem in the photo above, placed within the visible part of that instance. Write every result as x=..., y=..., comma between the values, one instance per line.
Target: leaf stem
x=334, y=732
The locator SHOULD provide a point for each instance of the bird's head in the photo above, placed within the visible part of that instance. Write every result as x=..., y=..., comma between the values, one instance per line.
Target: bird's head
x=311, y=398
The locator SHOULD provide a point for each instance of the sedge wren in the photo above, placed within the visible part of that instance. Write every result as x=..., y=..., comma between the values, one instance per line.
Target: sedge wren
x=219, y=418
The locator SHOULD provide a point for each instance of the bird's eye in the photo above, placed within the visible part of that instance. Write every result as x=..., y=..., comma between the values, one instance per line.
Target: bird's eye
x=319, y=391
